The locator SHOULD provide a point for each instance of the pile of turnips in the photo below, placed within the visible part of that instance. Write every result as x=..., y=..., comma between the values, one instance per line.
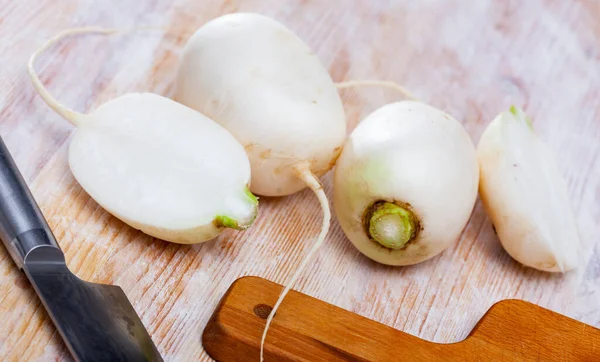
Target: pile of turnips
x=255, y=112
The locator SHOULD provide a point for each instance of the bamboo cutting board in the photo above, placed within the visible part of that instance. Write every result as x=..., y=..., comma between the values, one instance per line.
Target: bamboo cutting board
x=472, y=60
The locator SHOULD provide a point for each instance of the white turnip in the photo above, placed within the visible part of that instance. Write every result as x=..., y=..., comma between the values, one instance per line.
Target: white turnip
x=257, y=79
x=525, y=196
x=405, y=183
x=261, y=82
x=157, y=165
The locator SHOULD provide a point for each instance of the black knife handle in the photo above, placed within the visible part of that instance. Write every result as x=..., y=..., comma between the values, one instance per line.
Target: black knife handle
x=22, y=225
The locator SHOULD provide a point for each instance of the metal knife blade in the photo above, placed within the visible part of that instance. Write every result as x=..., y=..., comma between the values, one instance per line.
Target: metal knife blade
x=96, y=321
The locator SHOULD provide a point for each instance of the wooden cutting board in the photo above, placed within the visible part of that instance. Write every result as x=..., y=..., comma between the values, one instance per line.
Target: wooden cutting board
x=307, y=329
x=472, y=60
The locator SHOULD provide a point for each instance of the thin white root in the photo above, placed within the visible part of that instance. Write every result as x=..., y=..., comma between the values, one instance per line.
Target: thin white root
x=313, y=182
x=67, y=113
x=376, y=83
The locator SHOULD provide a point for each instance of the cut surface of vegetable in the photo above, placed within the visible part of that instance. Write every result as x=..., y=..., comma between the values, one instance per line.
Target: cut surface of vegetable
x=157, y=165
x=525, y=196
x=406, y=183
x=257, y=79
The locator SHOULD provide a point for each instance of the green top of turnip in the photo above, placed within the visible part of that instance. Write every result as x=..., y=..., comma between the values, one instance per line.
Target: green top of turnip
x=391, y=225
x=520, y=116
x=224, y=221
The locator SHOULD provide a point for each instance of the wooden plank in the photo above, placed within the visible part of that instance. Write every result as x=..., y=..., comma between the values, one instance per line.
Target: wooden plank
x=472, y=60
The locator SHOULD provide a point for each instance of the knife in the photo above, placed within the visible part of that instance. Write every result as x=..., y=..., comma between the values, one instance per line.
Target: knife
x=96, y=321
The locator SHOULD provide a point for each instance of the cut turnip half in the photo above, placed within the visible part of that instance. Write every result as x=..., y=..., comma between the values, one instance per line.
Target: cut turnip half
x=157, y=165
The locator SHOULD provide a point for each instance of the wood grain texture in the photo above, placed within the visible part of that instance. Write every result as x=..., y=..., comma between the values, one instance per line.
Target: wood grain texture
x=307, y=329
x=472, y=60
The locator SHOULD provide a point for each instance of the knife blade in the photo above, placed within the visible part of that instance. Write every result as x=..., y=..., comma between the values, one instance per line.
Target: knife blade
x=96, y=321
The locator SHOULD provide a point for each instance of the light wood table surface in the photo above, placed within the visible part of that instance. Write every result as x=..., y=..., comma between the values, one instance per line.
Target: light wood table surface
x=472, y=59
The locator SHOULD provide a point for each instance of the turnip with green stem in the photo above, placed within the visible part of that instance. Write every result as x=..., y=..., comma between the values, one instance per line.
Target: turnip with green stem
x=157, y=165
x=525, y=196
x=406, y=183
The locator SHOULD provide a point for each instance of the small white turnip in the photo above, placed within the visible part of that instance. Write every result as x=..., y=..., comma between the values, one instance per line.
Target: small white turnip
x=405, y=183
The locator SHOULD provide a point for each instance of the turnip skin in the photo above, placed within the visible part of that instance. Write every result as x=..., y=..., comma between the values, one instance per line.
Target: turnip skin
x=421, y=164
x=525, y=196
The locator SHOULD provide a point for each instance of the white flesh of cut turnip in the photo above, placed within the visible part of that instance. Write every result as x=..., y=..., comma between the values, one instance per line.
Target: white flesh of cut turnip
x=157, y=165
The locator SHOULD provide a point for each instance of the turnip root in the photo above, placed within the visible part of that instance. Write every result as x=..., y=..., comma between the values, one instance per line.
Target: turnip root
x=405, y=183
x=157, y=165
x=263, y=84
x=525, y=196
